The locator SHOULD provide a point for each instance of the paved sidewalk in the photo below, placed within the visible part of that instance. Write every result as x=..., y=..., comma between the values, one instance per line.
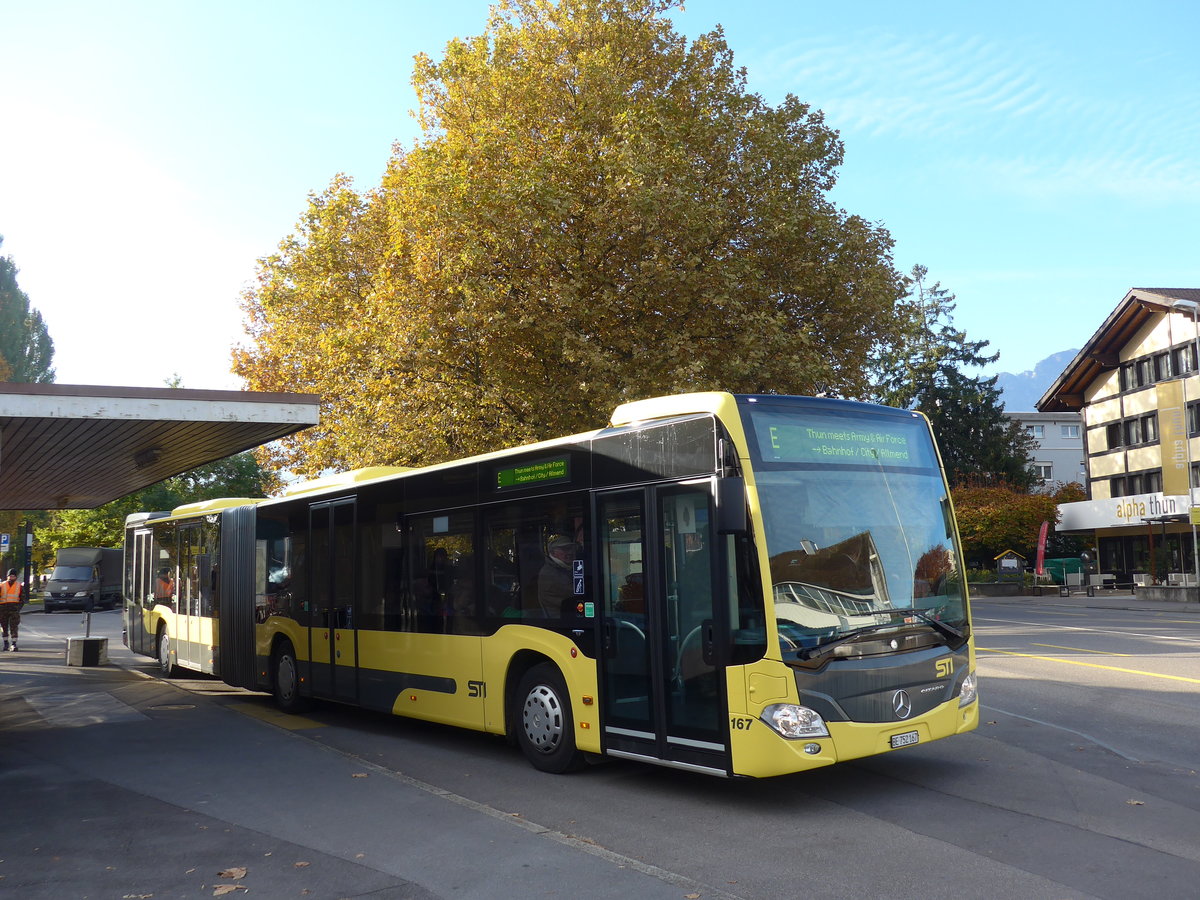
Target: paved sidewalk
x=117, y=785
x=1102, y=600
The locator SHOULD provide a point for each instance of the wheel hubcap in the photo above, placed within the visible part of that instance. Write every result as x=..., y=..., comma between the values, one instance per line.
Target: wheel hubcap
x=543, y=719
x=286, y=677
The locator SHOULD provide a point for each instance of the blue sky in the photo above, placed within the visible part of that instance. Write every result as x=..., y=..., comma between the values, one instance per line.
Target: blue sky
x=1039, y=158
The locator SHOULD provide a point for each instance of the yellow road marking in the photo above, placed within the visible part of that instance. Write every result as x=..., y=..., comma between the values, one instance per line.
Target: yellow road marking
x=275, y=717
x=1082, y=650
x=1076, y=662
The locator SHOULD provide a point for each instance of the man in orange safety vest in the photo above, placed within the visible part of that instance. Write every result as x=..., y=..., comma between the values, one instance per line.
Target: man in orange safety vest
x=12, y=598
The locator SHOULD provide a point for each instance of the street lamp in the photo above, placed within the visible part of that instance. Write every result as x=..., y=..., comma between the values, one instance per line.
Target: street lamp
x=1192, y=308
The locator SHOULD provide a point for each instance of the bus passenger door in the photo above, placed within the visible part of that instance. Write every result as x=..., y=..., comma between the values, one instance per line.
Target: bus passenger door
x=332, y=636
x=141, y=595
x=663, y=691
x=189, y=641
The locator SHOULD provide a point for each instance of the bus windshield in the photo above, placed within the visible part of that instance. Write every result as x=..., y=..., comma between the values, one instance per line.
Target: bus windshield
x=858, y=524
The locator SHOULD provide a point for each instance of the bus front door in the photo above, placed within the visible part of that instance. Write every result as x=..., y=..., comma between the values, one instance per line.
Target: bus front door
x=332, y=638
x=663, y=690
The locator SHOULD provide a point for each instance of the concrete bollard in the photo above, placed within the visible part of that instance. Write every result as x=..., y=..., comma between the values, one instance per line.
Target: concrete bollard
x=87, y=651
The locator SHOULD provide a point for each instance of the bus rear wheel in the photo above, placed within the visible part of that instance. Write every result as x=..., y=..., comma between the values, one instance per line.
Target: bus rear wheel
x=285, y=681
x=164, y=654
x=544, y=725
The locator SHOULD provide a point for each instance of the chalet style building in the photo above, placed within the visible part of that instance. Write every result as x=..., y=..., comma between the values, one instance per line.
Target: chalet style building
x=1136, y=387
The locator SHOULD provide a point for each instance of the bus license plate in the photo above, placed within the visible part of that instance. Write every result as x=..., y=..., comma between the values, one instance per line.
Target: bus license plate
x=904, y=740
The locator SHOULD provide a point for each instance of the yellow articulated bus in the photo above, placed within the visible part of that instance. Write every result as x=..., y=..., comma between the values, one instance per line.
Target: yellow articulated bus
x=727, y=584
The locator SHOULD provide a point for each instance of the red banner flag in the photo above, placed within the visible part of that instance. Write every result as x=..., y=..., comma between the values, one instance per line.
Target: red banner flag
x=1040, y=568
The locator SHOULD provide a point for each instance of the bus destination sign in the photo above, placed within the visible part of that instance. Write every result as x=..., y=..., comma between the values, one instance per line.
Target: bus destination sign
x=541, y=472
x=832, y=441
x=838, y=444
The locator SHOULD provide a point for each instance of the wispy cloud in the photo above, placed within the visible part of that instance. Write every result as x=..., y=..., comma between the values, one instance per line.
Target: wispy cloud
x=884, y=85
x=1045, y=130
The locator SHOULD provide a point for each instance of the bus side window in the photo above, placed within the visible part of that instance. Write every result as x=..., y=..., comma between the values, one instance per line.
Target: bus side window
x=502, y=577
x=441, y=572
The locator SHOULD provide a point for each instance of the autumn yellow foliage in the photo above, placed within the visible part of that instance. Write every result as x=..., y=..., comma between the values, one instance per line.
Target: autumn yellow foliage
x=597, y=210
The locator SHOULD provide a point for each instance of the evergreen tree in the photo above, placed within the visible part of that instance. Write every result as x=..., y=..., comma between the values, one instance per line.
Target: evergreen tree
x=979, y=443
x=26, y=351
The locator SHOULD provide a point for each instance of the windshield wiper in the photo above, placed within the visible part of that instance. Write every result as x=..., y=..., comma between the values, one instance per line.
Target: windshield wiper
x=845, y=638
x=937, y=624
x=827, y=647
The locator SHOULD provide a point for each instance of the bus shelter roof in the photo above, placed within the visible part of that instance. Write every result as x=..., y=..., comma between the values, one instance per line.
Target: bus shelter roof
x=80, y=446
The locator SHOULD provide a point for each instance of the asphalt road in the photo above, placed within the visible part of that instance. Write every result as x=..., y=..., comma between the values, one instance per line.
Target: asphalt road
x=1081, y=782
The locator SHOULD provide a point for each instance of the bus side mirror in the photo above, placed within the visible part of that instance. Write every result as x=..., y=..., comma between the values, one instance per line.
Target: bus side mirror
x=731, y=505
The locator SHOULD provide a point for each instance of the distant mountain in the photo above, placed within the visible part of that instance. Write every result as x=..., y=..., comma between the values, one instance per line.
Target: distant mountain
x=1022, y=392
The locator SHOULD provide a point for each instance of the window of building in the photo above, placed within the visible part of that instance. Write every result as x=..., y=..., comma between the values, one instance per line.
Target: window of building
x=1070, y=431
x=1133, y=432
x=1148, y=370
x=1149, y=429
x=1162, y=366
x=1142, y=430
x=1115, y=435
x=1183, y=360
x=1145, y=371
x=1044, y=471
x=1128, y=377
x=1038, y=431
x=1138, y=483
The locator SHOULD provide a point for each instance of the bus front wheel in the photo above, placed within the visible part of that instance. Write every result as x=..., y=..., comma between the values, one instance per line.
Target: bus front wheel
x=544, y=725
x=286, y=680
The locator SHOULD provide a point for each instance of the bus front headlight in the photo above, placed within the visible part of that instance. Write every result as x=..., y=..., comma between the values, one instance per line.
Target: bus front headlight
x=794, y=722
x=970, y=691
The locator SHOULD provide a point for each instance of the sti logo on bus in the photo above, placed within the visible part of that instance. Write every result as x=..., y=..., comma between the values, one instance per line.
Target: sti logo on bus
x=945, y=668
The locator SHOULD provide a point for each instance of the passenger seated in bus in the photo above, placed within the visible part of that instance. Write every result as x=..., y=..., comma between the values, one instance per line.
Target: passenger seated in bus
x=555, y=584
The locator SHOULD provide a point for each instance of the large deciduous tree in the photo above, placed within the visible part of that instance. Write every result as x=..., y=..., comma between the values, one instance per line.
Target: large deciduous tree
x=995, y=518
x=26, y=351
x=930, y=371
x=597, y=210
